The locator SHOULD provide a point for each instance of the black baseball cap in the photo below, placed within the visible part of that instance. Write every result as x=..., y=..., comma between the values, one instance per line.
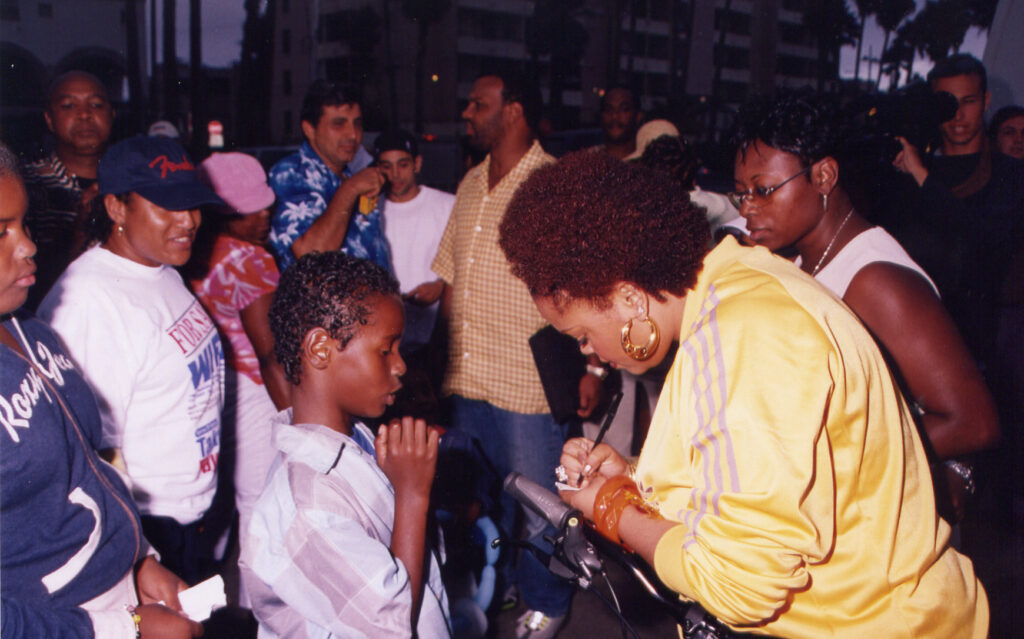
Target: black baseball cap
x=158, y=169
x=395, y=140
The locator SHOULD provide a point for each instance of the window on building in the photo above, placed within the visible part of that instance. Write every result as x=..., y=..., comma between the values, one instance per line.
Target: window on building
x=657, y=47
x=491, y=25
x=732, y=22
x=733, y=92
x=732, y=57
x=286, y=41
x=287, y=123
x=344, y=26
x=286, y=82
x=635, y=43
x=10, y=11
x=351, y=70
x=794, y=33
x=660, y=9
x=792, y=65
x=45, y=10
x=472, y=67
x=657, y=84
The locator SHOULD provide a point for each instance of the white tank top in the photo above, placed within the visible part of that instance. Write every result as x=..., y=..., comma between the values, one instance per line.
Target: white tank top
x=873, y=245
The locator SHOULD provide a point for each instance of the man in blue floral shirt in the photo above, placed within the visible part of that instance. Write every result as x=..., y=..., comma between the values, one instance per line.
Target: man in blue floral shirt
x=317, y=191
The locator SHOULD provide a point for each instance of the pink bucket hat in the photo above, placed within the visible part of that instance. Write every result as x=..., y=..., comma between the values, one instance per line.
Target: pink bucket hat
x=239, y=180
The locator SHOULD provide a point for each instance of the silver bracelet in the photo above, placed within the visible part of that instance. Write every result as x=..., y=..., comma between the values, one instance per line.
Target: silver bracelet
x=599, y=372
x=965, y=472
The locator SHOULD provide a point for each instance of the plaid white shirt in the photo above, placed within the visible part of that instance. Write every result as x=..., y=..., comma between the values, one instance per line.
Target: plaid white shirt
x=493, y=315
x=316, y=559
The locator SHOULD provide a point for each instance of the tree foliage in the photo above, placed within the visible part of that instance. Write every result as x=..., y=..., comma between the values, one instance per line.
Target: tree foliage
x=890, y=15
x=831, y=25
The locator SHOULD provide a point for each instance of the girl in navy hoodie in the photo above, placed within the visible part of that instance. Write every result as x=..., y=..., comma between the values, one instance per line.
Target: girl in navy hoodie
x=72, y=555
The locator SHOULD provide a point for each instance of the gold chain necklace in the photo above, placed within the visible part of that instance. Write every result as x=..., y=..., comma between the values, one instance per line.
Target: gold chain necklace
x=828, y=249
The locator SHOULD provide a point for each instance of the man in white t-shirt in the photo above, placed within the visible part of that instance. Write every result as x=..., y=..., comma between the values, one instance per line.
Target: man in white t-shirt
x=414, y=219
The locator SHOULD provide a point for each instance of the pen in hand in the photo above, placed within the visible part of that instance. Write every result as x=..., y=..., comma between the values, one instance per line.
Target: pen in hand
x=613, y=407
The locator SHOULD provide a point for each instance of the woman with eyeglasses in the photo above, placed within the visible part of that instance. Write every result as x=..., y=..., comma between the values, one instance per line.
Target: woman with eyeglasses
x=791, y=194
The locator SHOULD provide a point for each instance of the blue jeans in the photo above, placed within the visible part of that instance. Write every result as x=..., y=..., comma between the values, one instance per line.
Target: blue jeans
x=531, y=445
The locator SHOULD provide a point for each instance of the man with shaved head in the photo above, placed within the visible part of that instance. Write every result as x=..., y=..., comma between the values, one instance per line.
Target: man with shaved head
x=61, y=185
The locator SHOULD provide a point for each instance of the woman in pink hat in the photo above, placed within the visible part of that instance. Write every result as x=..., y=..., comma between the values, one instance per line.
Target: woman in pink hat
x=234, y=278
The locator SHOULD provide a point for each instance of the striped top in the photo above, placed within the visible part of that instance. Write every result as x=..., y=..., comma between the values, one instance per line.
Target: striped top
x=56, y=194
x=783, y=449
x=492, y=315
x=55, y=202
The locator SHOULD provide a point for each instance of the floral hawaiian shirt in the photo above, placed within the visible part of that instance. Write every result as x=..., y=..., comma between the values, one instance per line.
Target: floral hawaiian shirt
x=304, y=185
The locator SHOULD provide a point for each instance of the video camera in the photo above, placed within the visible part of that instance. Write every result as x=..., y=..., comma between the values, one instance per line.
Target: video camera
x=914, y=112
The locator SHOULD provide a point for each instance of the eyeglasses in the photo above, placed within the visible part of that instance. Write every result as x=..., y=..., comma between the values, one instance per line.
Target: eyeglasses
x=761, y=193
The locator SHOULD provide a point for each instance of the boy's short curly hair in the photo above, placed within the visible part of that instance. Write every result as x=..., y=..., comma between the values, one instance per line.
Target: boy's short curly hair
x=327, y=290
x=579, y=226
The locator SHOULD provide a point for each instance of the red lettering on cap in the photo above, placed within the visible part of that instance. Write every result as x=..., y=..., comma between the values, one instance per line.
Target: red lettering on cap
x=167, y=166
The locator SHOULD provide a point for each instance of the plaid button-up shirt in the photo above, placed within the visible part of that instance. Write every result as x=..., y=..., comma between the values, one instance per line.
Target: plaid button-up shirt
x=493, y=315
x=316, y=559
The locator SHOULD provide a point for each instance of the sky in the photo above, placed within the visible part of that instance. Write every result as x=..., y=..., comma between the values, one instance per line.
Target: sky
x=974, y=43
x=222, y=38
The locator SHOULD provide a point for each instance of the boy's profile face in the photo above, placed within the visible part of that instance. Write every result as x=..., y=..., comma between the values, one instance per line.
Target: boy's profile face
x=366, y=372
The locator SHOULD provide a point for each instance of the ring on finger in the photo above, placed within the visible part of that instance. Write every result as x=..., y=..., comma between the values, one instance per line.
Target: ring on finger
x=561, y=474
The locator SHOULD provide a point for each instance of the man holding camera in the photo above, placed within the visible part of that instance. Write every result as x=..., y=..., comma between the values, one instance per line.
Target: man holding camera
x=964, y=216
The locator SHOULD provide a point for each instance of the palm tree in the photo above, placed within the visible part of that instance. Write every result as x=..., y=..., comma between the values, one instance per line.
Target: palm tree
x=424, y=13
x=865, y=8
x=910, y=41
x=983, y=12
x=832, y=25
x=943, y=26
x=889, y=16
x=892, y=62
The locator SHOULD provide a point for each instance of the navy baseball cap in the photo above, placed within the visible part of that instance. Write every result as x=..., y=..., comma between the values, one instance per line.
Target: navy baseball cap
x=395, y=140
x=158, y=169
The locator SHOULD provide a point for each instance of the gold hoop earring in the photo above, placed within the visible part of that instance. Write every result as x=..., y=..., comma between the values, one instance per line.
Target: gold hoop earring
x=637, y=351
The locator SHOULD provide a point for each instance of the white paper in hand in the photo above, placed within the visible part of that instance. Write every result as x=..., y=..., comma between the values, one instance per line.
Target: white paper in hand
x=203, y=598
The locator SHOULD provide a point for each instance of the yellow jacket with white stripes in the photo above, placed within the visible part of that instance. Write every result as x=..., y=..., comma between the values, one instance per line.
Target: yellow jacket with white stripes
x=783, y=449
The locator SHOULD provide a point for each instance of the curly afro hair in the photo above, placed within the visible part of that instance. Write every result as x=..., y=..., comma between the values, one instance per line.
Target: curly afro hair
x=804, y=124
x=326, y=290
x=577, y=227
